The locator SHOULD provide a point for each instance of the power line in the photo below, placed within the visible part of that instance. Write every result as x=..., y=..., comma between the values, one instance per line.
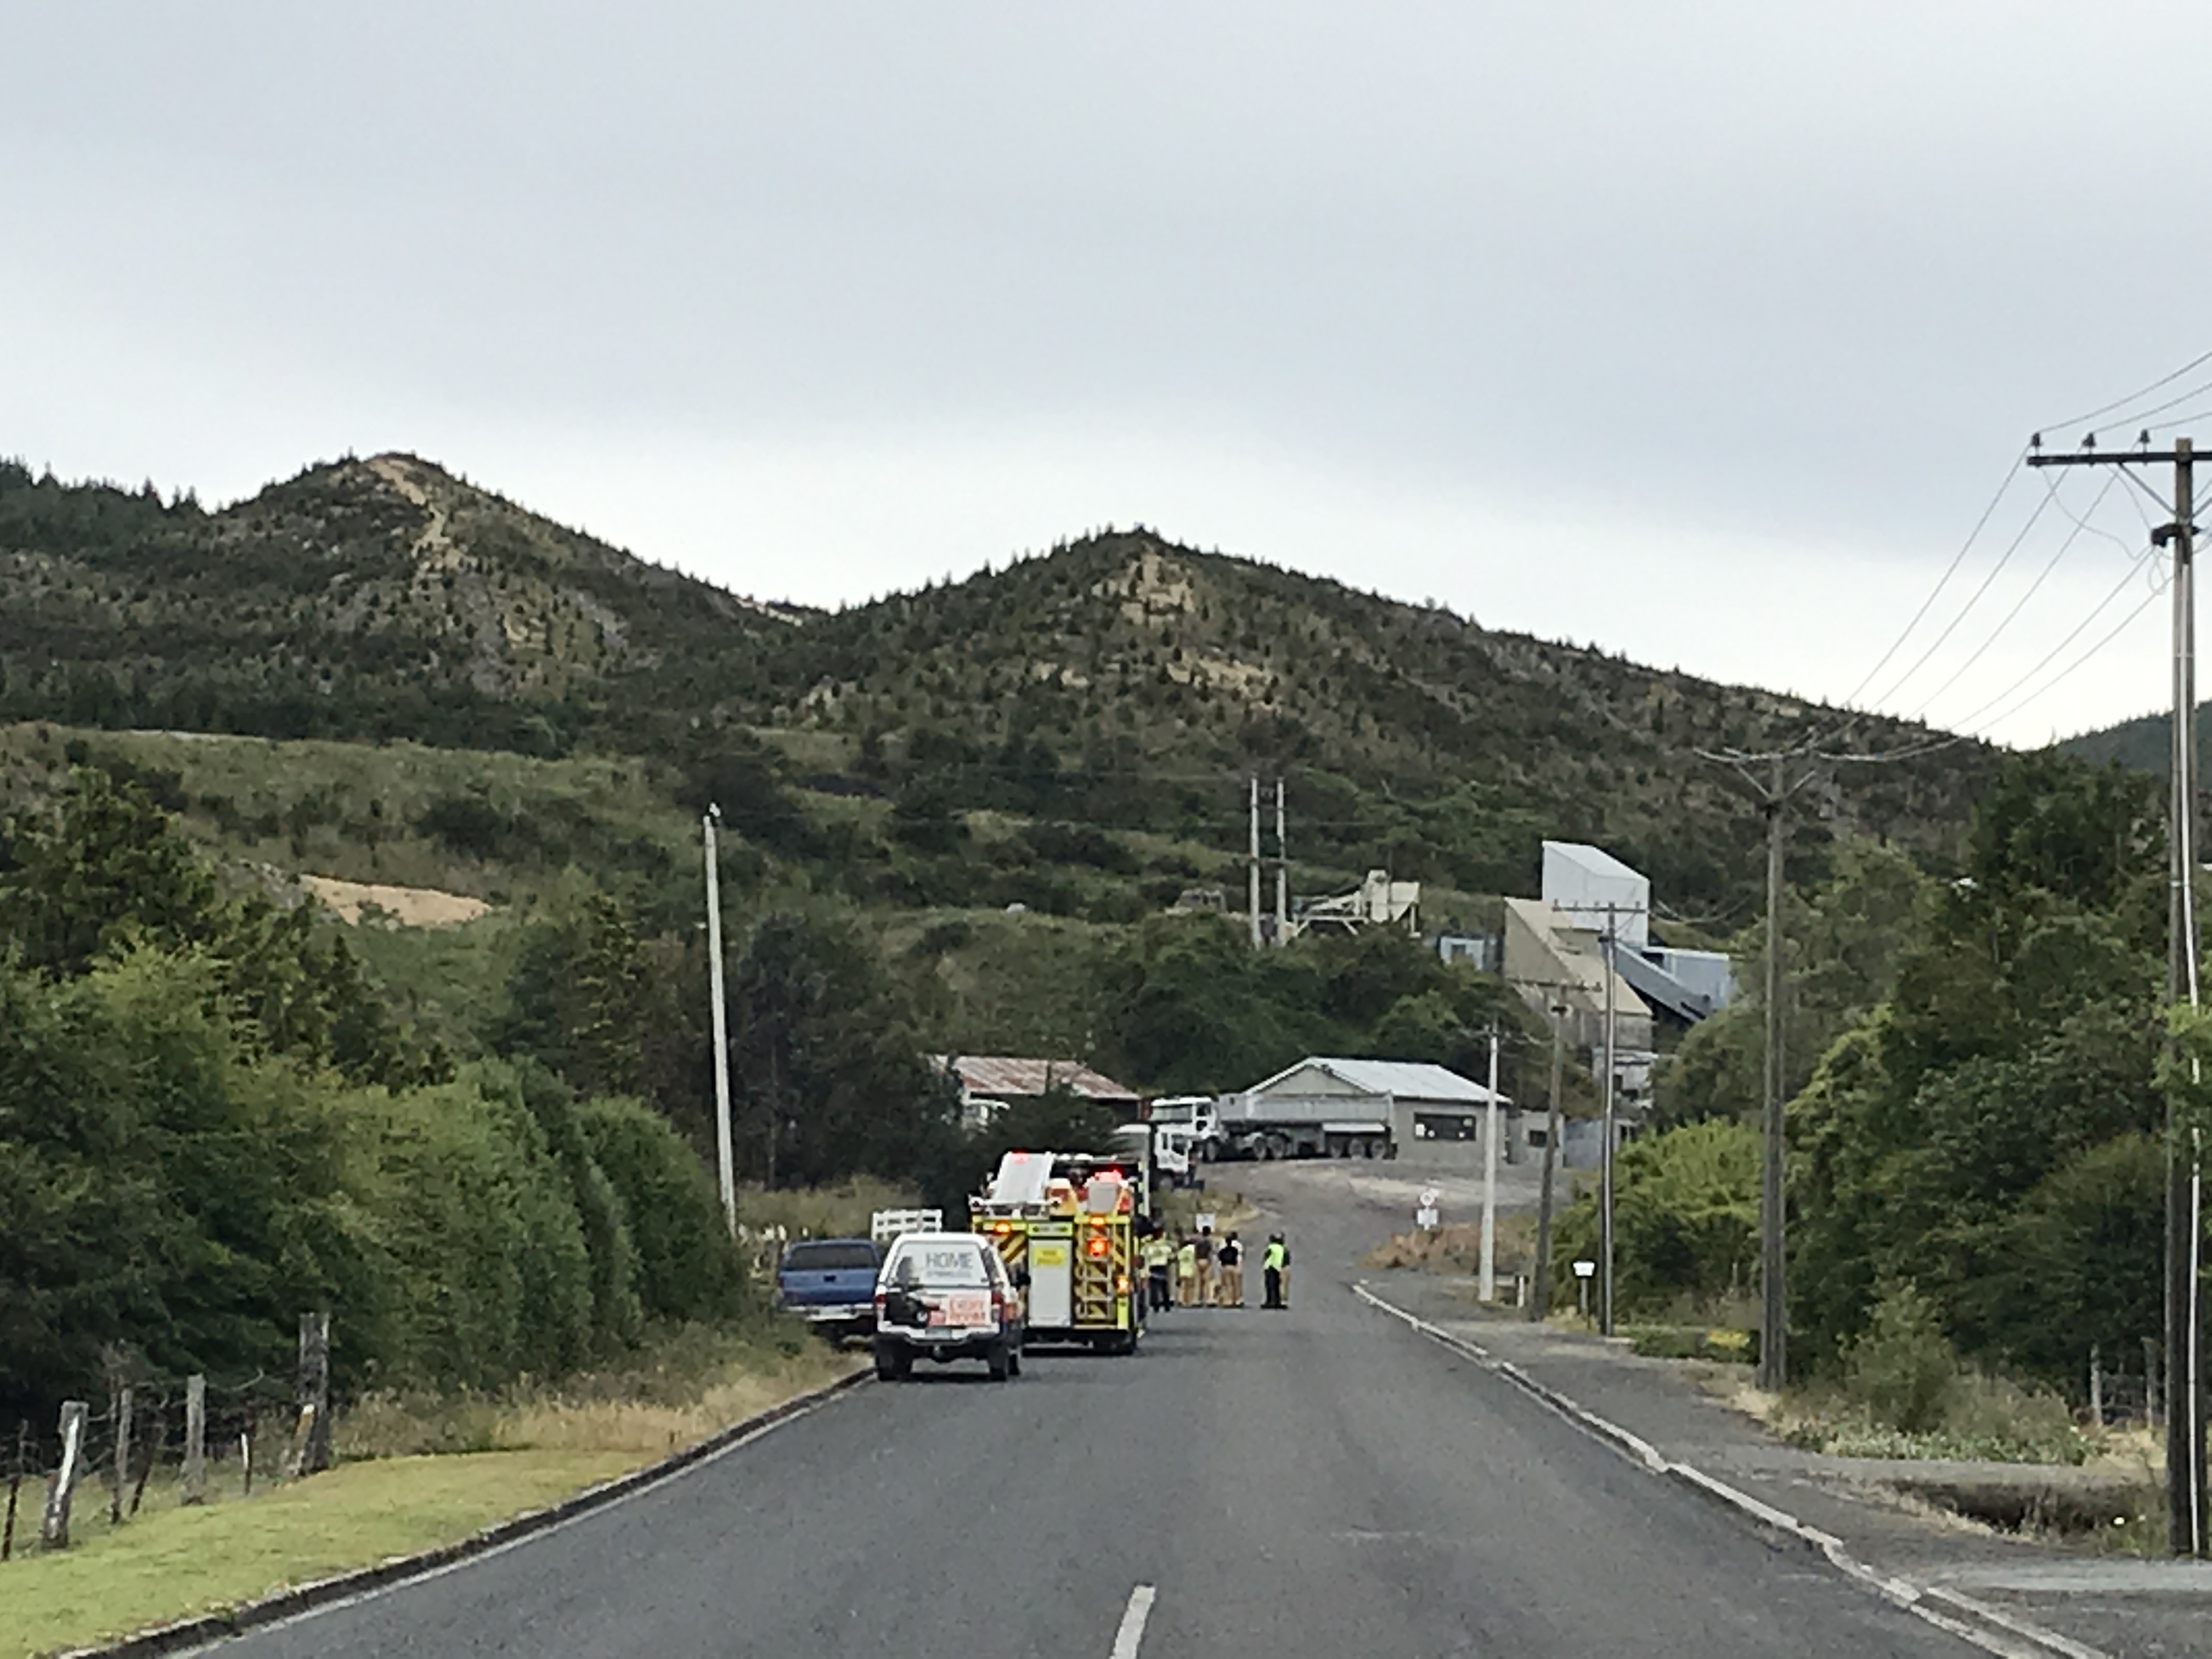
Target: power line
x=2179, y=397
x=2050, y=494
x=2080, y=525
x=2149, y=600
x=2193, y=364
x=1951, y=570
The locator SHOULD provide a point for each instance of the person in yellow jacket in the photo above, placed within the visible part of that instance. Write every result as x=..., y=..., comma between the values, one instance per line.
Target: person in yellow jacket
x=1187, y=1272
x=1275, y=1271
x=1159, y=1268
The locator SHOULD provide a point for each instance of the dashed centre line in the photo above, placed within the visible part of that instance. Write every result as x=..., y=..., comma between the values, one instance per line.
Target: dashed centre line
x=1133, y=1623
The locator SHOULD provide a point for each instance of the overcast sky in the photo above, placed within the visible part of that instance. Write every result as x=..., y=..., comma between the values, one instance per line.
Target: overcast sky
x=1702, y=332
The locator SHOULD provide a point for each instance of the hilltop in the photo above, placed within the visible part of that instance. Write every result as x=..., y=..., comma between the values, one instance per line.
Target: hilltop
x=1120, y=686
x=370, y=598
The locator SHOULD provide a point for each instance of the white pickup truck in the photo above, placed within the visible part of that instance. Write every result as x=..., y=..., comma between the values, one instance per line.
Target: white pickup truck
x=944, y=1296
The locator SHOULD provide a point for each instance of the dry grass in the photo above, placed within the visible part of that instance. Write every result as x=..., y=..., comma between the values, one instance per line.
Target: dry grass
x=607, y=1426
x=686, y=1387
x=1457, y=1250
x=410, y=906
x=839, y=1211
x=1231, y=1212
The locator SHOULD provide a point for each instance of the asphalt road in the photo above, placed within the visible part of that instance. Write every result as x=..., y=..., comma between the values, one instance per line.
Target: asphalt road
x=1320, y=1482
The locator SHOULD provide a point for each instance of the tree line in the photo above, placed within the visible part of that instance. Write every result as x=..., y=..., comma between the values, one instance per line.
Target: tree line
x=1976, y=1109
x=211, y=1121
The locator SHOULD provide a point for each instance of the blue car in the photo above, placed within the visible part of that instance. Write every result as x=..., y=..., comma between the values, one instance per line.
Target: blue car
x=830, y=1283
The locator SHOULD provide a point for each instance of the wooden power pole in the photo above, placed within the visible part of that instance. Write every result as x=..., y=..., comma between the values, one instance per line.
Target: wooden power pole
x=1773, y=1202
x=2185, y=1167
x=1540, y=1303
x=1773, y=794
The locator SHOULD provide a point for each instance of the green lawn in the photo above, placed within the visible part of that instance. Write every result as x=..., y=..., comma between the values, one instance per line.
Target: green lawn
x=172, y=1563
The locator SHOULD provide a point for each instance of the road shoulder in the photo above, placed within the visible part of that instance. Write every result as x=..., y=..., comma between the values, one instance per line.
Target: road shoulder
x=2008, y=1594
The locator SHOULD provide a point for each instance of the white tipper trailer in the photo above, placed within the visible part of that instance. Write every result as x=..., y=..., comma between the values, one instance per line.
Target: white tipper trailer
x=1265, y=1126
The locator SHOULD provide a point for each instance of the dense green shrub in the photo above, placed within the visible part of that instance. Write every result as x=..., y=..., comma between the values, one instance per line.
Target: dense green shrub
x=1686, y=1220
x=1901, y=1368
x=687, y=1266
x=163, y=1189
x=485, y=1272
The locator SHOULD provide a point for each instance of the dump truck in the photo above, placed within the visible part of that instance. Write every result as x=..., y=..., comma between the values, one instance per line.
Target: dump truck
x=1253, y=1125
x=1065, y=1224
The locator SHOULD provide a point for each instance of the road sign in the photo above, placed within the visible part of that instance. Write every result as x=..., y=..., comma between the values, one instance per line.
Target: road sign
x=1424, y=1217
x=1205, y=1221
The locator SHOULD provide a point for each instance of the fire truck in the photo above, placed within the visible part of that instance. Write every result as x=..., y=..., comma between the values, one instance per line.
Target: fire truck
x=1066, y=1224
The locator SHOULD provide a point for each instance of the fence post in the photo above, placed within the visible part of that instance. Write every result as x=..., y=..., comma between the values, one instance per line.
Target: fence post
x=195, y=1474
x=124, y=1401
x=54, y=1528
x=2154, y=1385
x=2096, y=1385
x=157, y=1441
x=14, y=1486
x=310, y=1440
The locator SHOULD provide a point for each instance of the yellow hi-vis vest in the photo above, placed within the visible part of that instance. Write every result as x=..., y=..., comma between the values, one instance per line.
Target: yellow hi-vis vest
x=1277, y=1256
x=1158, y=1253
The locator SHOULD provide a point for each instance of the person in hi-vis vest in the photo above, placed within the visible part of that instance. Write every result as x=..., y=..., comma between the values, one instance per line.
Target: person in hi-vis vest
x=1275, y=1271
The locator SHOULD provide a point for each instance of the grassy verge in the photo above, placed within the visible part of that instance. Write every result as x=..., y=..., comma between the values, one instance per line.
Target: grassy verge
x=1232, y=1211
x=1457, y=1249
x=500, y=1457
x=840, y=1211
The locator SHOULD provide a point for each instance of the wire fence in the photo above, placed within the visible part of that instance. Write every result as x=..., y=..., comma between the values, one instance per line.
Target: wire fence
x=192, y=1439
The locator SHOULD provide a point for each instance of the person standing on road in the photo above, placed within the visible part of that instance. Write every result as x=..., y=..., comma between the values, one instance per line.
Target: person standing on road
x=1159, y=1267
x=1272, y=1262
x=1187, y=1272
x=1230, y=1258
x=1208, y=1290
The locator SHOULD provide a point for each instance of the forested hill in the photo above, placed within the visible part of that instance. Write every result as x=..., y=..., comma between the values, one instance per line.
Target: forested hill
x=1413, y=737
x=1121, y=682
x=378, y=598
x=2141, y=742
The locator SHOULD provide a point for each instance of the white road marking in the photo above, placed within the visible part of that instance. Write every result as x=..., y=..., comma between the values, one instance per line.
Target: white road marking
x=1133, y=1623
x=1913, y=1597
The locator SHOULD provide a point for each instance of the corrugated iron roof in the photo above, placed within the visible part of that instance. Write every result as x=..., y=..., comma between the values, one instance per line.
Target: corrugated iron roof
x=1415, y=1082
x=997, y=1076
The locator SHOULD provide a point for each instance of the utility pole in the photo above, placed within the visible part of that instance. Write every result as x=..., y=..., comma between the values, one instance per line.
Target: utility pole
x=1255, y=864
x=725, y=1153
x=1540, y=1303
x=1487, y=1287
x=2185, y=1167
x=1605, y=1161
x=1773, y=1217
x=1773, y=796
x=1282, y=871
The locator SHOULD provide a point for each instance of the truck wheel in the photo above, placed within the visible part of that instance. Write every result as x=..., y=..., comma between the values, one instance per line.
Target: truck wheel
x=1001, y=1365
x=892, y=1366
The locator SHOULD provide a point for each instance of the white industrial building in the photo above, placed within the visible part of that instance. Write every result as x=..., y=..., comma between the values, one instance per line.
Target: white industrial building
x=1594, y=909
